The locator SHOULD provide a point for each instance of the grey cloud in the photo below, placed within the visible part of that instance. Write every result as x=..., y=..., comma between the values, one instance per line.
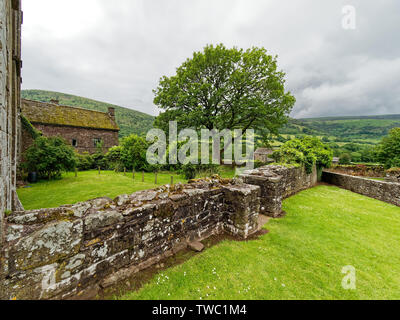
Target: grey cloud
x=120, y=53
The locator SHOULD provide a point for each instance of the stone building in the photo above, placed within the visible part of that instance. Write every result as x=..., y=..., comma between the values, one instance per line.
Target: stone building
x=81, y=128
x=10, y=90
x=264, y=155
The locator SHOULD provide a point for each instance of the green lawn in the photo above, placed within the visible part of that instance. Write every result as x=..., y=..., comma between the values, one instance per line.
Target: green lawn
x=325, y=229
x=90, y=185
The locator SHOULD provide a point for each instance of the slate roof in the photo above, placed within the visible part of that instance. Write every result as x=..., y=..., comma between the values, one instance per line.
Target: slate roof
x=54, y=114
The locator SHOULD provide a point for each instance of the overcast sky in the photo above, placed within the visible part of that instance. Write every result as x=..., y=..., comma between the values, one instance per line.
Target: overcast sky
x=116, y=51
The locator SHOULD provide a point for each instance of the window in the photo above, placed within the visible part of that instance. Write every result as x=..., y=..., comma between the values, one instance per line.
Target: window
x=96, y=142
x=74, y=142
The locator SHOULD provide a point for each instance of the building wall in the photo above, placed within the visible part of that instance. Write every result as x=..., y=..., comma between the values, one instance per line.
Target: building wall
x=84, y=137
x=10, y=73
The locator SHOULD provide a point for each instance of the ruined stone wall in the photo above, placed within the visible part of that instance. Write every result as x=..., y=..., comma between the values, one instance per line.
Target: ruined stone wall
x=63, y=252
x=10, y=80
x=278, y=183
x=84, y=136
x=384, y=191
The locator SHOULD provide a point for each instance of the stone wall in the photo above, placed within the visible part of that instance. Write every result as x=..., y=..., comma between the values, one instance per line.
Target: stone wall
x=278, y=183
x=10, y=79
x=64, y=252
x=384, y=191
x=84, y=136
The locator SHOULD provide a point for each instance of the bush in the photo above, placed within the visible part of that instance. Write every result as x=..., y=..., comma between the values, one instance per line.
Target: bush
x=113, y=158
x=133, y=153
x=189, y=171
x=345, y=158
x=307, y=151
x=48, y=157
x=84, y=161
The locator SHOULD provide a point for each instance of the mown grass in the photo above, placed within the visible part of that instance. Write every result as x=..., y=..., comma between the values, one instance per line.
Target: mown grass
x=325, y=229
x=90, y=185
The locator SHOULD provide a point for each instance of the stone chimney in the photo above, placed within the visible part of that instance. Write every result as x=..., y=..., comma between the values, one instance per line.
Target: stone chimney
x=111, y=112
x=54, y=101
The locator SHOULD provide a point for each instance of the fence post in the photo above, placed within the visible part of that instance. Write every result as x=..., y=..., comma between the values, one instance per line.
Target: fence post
x=172, y=180
x=76, y=172
x=155, y=180
x=99, y=170
x=133, y=174
x=142, y=176
x=124, y=171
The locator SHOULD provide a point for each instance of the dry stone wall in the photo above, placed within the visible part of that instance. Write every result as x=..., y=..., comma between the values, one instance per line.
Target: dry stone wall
x=278, y=183
x=63, y=252
x=77, y=249
x=384, y=191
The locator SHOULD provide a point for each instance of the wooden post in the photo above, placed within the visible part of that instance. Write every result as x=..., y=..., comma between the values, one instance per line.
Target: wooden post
x=142, y=176
x=155, y=179
x=133, y=174
x=99, y=170
x=76, y=172
x=124, y=171
x=172, y=180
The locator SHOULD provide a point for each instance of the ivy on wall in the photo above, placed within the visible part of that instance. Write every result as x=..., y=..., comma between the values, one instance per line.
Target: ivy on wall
x=30, y=128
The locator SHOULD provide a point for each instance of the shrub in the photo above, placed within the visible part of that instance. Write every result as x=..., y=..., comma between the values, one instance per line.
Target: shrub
x=113, y=158
x=84, y=161
x=49, y=157
x=307, y=151
x=345, y=158
x=133, y=153
x=189, y=171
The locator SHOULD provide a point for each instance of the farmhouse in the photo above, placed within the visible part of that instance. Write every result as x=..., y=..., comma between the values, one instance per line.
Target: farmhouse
x=83, y=129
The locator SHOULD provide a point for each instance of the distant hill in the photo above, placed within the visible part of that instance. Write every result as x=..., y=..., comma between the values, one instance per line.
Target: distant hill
x=130, y=121
x=367, y=128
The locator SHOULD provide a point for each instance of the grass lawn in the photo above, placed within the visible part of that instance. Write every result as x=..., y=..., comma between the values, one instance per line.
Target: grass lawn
x=325, y=229
x=89, y=185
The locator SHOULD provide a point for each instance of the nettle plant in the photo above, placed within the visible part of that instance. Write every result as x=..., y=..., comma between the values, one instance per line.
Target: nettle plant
x=307, y=151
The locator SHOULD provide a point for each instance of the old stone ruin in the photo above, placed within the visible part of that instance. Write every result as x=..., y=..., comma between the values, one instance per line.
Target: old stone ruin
x=75, y=250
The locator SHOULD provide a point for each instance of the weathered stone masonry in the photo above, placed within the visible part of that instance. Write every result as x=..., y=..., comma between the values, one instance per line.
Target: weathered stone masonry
x=278, y=183
x=10, y=83
x=385, y=191
x=57, y=253
x=64, y=252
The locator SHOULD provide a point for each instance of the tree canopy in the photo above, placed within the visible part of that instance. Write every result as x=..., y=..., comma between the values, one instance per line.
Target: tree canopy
x=223, y=88
x=388, y=151
x=308, y=151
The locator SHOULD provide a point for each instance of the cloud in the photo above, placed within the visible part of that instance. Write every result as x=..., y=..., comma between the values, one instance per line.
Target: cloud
x=117, y=53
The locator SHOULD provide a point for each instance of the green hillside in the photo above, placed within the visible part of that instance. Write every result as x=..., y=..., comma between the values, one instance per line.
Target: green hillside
x=361, y=128
x=129, y=121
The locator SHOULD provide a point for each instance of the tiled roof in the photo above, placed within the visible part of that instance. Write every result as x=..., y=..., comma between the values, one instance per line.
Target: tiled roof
x=48, y=113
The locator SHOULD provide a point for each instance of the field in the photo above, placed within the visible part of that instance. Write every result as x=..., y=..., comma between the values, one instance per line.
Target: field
x=90, y=185
x=300, y=258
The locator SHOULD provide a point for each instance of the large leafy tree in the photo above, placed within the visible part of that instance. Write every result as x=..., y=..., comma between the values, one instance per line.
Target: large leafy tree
x=223, y=88
x=388, y=151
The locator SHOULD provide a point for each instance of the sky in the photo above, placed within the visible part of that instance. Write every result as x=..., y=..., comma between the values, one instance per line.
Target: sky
x=336, y=63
